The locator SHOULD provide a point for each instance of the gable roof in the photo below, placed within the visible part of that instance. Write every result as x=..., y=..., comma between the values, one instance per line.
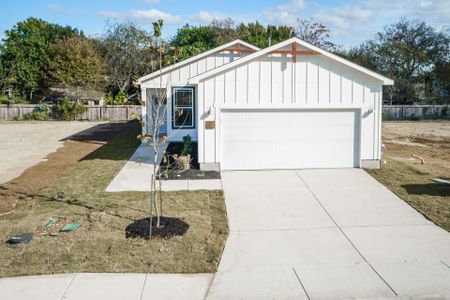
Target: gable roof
x=194, y=58
x=385, y=80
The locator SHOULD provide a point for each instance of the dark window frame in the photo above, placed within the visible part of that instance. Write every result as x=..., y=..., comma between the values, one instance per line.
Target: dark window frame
x=174, y=107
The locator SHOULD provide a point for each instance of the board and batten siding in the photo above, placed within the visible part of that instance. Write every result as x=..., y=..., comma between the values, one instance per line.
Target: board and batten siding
x=274, y=81
x=181, y=75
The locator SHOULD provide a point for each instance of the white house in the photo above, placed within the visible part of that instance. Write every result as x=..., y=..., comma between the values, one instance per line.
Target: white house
x=289, y=106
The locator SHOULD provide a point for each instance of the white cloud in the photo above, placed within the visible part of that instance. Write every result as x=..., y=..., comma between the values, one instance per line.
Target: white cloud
x=342, y=19
x=153, y=15
x=284, y=13
x=150, y=1
x=56, y=9
x=111, y=14
x=205, y=17
x=143, y=15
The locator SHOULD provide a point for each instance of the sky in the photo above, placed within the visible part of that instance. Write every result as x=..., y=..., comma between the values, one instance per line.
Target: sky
x=351, y=22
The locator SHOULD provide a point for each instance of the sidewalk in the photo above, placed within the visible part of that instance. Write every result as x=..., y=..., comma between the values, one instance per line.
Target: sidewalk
x=135, y=176
x=89, y=286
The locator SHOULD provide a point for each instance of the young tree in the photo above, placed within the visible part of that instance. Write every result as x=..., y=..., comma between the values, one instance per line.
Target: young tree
x=75, y=64
x=26, y=51
x=156, y=118
x=315, y=33
x=157, y=109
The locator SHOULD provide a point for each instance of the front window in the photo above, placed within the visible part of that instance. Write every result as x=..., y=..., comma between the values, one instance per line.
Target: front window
x=183, y=107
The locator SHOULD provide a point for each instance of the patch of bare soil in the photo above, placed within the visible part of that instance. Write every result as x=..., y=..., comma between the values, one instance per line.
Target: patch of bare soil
x=55, y=165
x=430, y=140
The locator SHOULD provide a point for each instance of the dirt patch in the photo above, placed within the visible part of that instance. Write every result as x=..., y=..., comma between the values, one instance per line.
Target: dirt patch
x=79, y=197
x=427, y=139
x=407, y=177
x=56, y=164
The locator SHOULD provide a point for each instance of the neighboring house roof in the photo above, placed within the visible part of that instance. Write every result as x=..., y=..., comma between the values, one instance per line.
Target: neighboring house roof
x=385, y=80
x=194, y=58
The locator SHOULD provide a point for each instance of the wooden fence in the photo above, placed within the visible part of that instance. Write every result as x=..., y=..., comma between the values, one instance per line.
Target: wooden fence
x=126, y=112
x=415, y=112
x=93, y=112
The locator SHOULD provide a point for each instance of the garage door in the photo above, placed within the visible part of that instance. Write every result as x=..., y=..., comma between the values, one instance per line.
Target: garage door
x=289, y=139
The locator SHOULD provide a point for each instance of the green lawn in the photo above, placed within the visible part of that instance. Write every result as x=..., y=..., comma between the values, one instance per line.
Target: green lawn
x=416, y=188
x=99, y=245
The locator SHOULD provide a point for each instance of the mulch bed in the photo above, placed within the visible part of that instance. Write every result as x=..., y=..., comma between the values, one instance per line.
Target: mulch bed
x=194, y=172
x=170, y=227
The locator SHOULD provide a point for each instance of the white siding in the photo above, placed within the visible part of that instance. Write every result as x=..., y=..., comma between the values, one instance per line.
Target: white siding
x=230, y=87
x=301, y=68
x=265, y=76
x=208, y=135
x=253, y=82
x=278, y=64
x=313, y=81
x=208, y=94
x=241, y=84
x=182, y=74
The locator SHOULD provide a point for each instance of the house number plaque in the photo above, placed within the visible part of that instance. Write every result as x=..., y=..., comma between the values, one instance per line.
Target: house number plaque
x=210, y=124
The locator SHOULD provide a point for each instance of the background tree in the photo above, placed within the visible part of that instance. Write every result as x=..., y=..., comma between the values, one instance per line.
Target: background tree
x=258, y=35
x=406, y=52
x=126, y=55
x=441, y=75
x=193, y=40
x=75, y=64
x=26, y=52
x=316, y=34
x=224, y=30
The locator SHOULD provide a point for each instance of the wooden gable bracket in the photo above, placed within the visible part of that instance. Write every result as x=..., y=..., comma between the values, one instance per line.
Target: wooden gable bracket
x=239, y=50
x=294, y=52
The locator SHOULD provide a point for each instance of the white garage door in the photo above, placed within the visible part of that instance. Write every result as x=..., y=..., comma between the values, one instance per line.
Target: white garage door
x=289, y=139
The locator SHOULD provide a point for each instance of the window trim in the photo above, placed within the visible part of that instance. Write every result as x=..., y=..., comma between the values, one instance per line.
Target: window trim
x=174, y=107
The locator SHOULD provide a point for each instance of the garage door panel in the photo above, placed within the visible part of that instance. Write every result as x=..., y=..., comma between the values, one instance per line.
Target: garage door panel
x=289, y=139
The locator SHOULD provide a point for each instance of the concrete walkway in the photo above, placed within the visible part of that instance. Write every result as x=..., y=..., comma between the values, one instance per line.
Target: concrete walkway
x=88, y=286
x=135, y=176
x=326, y=234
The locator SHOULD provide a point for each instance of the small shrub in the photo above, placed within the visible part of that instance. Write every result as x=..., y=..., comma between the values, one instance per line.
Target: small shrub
x=41, y=107
x=12, y=100
x=183, y=162
x=384, y=116
x=36, y=116
x=120, y=99
x=187, y=145
x=444, y=111
x=67, y=110
x=413, y=117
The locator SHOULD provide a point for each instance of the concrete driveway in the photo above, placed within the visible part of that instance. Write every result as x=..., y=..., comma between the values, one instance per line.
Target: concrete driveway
x=326, y=234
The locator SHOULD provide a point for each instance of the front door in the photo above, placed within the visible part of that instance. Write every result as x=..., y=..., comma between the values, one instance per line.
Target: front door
x=157, y=106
